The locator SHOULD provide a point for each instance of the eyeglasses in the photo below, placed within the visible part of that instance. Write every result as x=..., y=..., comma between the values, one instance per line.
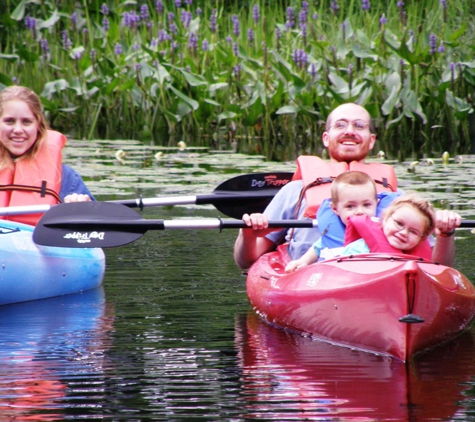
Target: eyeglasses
x=410, y=232
x=343, y=124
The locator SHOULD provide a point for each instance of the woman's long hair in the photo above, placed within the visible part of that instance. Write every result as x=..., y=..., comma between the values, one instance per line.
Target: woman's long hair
x=21, y=93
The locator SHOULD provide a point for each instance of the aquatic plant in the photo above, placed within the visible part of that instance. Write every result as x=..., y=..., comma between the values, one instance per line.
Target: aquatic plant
x=260, y=76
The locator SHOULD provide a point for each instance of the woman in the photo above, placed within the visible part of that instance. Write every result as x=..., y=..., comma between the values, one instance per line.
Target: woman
x=31, y=169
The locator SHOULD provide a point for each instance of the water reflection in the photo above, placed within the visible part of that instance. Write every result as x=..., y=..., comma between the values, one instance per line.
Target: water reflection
x=287, y=376
x=45, y=342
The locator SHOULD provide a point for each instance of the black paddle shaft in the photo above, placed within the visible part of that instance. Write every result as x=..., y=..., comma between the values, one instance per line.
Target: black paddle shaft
x=106, y=224
x=246, y=193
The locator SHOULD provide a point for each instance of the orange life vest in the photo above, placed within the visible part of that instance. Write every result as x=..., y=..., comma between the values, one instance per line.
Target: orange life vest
x=371, y=231
x=314, y=171
x=34, y=182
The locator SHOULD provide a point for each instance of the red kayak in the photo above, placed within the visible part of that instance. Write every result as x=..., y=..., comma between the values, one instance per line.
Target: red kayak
x=391, y=305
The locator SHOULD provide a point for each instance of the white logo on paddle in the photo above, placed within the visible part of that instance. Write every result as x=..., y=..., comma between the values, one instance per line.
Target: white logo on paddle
x=85, y=237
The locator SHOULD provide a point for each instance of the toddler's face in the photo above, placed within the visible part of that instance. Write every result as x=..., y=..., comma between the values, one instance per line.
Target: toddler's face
x=405, y=228
x=355, y=200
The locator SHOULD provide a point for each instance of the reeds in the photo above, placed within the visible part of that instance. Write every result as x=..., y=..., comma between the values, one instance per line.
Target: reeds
x=260, y=77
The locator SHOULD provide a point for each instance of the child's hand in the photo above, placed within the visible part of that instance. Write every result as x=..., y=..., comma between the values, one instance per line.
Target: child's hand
x=446, y=222
x=294, y=266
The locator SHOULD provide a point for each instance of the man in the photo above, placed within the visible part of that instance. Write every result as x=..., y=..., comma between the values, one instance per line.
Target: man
x=349, y=138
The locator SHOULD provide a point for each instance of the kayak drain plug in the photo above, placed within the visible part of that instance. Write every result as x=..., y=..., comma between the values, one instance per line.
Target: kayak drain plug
x=411, y=319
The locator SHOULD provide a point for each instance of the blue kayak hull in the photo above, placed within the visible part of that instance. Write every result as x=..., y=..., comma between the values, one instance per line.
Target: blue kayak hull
x=30, y=272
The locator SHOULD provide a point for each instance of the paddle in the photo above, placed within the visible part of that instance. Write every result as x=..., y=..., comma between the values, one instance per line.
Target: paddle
x=106, y=225
x=246, y=193
x=241, y=194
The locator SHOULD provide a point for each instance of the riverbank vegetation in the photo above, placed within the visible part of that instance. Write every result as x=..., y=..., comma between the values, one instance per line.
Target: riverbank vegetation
x=258, y=76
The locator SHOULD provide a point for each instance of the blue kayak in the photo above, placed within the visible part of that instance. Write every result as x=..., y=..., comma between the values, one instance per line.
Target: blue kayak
x=30, y=272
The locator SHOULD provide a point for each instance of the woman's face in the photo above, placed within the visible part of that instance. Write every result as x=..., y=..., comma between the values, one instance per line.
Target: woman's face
x=18, y=127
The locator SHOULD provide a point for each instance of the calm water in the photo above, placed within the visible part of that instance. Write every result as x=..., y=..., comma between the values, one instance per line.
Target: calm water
x=170, y=336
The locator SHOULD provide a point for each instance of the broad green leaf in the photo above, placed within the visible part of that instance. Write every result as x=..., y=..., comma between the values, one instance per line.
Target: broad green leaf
x=27, y=55
x=5, y=80
x=455, y=36
x=391, y=40
x=183, y=109
x=128, y=85
x=173, y=117
x=358, y=52
x=289, y=109
x=163, y=75
x=207, y=100
x=215, y=87
x=253, y=113
x=49, y=22
x=412, y=105
x=394, y=121
x=226, y=115
x=54, y=87
x=193, y=80
x=9, y=57
x=393, y=81
x=194, y=25
x=19, y=12
x=340, y=84
x=388, y=105
x=190, y=101
x=457, y=103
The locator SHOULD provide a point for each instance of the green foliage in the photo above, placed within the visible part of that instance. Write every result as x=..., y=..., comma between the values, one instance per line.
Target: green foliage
x=258, y=80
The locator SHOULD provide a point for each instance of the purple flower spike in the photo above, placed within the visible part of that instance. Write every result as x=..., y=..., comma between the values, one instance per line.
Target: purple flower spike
x=186, y=18
x=205, y=45
x=290, y=23
x=313, y=70
x=30, y=23
x=250, y=35
x=432, y=44
x=212, y=21
x=236, y=26
x=193, y=41
x=255, y=13
x=237, y=71
x=159, y=6
x=104, y=9
x=74, y=19
x=441, y=48
x=365, y=5
x=117, y=49
x=144, y=12
x=105, y=23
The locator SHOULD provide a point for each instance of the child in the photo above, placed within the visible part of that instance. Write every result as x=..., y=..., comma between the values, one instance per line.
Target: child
x=404, y=228
x=352, y=193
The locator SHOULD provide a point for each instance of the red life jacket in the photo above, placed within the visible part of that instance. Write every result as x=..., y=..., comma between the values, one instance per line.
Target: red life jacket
x=371, y=231
x=34, y=182
x=313, y=170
